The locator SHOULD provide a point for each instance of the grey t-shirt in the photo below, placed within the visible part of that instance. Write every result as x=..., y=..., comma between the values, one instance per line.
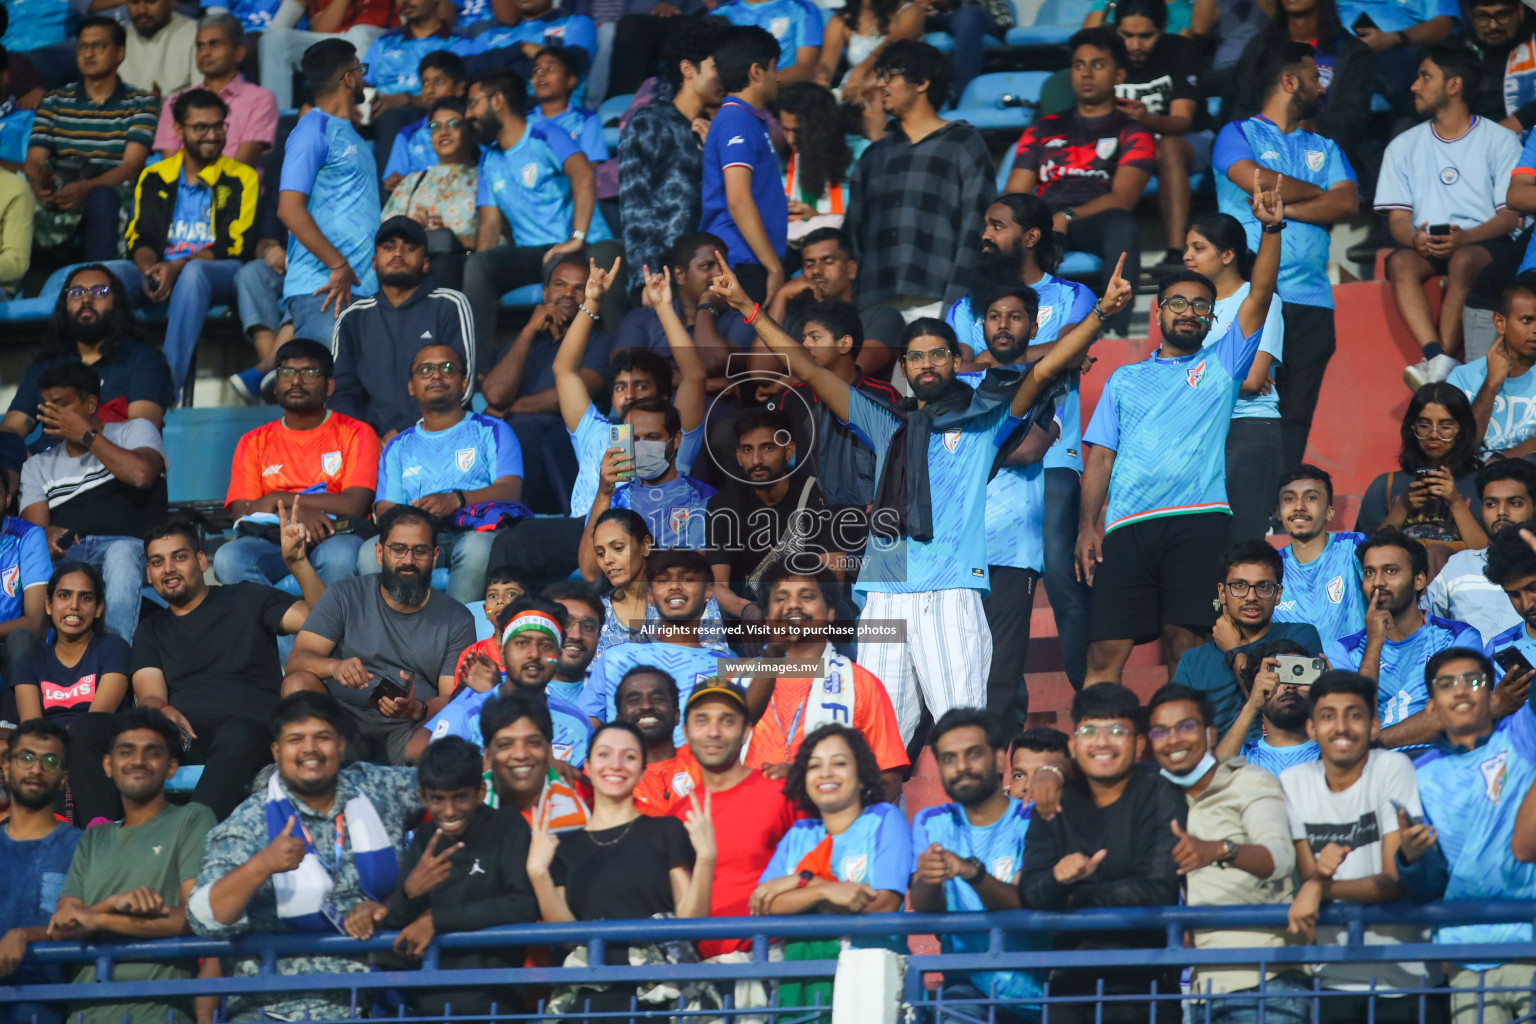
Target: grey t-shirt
x=426, y=643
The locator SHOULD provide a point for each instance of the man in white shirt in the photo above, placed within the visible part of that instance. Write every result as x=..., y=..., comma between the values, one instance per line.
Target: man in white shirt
x=162, y=47
x=1500, y=386
x=1442, y=186
x=1461, y=590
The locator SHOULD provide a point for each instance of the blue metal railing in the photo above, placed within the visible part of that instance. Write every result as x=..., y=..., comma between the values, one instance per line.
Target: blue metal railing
x=598, y=935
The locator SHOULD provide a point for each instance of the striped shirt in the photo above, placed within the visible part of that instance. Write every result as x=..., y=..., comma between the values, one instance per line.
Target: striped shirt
x=70, y=124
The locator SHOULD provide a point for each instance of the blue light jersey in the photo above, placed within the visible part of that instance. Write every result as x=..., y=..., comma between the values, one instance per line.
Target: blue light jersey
x=582, y=125
x=676, y=511
x=738, y=137
x=1301, y=156
x=191, y=227
x=1062, y=303
x=1271, y=342
x=329, y=162
x=1401, y=692
x=24, y=562
x=471, y=11
x=590, y=439
x=393, y=58
x=1513, y=419
x=471, y=454
x=793, y=23
x=34, y=24
x=1015, y=511
x=412, y=150
x=528, y=184
x=959, y=461
x=1277, y=759
x=1461, y=181
x=1000, y=848
x=1167, y=422
x=1326, y=591
x=876, y=850
x=461, y=717
x=1515, y=636
x=15, y=132
x=1471, y=797
x=568, y=692
x=254, y=15
x=688, y=666
x=570, y=30
x=1396, y=15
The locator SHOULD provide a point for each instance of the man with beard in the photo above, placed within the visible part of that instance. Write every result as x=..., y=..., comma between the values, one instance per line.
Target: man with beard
x=828, y=273
x=162, y=47
x=969, y=853
x=132, y=878
x=328, y=197
x=252, y=129
x=647, y=699
x=463, y=468
x=926, y=563
x=1500, y=385
x=1158, y=439
x=1322, y=571
x=1461, y=590
x=1501, y=41
x=192, y=227
x=680, y=587
x=1318, y=186
x=799, y=609
x=690, y=267
x=99, y=491
x=773, y=513
x=36, y=849
x=583, y=624
x=1248, y=586
x=386, y=648
x=1234, y=850
x=1283, y=706
x=1398, y=638
x=377, y=339
x=532, y=631
x=1512, y=568
x=335, y=833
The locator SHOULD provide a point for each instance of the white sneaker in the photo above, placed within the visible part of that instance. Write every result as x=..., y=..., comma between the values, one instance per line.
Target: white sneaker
x=1429, y=371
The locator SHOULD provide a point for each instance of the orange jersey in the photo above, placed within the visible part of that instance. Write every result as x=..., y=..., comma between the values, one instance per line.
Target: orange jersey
x=341, y=452
x=488, y=647
x=776, y=736
x=666, y=782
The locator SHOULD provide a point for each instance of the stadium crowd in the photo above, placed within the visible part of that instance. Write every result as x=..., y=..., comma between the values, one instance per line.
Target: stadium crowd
x=647, y=604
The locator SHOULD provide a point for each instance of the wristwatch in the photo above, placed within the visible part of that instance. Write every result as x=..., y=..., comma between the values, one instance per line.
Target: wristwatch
x=805, y=879
x=975, y=864
x=578, y=236
x=87, y=439
x=1273, y=229
x=1067, y=214
x=1228, y=853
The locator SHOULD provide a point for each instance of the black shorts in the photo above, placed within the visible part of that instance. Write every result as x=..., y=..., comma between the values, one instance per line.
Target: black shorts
x=1159, y=572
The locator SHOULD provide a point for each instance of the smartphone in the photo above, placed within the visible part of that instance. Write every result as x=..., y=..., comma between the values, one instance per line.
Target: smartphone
x=1364, y=21
x=67, y=540
x=622, y=437
x=1413, y=819
x=387, y=688
x=1298, y=669
x=1421, y=474
x=1439, y=229
x=1511, y=660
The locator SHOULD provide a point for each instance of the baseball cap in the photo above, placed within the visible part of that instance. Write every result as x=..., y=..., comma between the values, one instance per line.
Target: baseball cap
x=404, y=227
x=716, y=686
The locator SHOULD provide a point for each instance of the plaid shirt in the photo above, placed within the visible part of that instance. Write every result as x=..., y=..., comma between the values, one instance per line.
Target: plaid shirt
x=916, y=214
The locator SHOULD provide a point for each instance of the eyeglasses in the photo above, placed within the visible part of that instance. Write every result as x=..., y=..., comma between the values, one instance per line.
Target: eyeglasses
x=203, y=129
x=1188, y=727
x=421, y=551
x=917, y=357
x=588, y=625
x=1179, y=304
x=1489, y=17
x=51, y=762
x=1423, y=430
x=448, y=368
x=453, y=124
x=99, y=46
x=1471, y=680
x=308, y=374
x=1264, y=588
x=1114, y=731
x=80, y=291
x=362, y=69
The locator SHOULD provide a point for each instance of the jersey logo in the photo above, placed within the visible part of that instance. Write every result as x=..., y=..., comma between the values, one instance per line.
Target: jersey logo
x=562, y=751
x=426, y=335
x=833, y=683
x=475, y=868
x=1494, y=770
x=736, y=140
x=1269, y=154
x=530, y=175
x=1002, y=868
x=677, y=518
x=1336, y=589
x=440, y=730
x=854, y=867
x=272, y=470
x=157, y=849
x=682, y=784
x=464, y=458
x=9, y=578
x=1195, y=374
x=952, y=439
x=410, y=471
x=1055, y=143
x=1043, y=315
x=330, y=463
x=1448, y=175
x=1106, y=148
x=1314, y=159
x=778, y=26
x=351, y=148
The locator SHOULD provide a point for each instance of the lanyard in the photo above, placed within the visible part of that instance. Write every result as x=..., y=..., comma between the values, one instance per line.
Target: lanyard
x=794, y=722
x=338, y=848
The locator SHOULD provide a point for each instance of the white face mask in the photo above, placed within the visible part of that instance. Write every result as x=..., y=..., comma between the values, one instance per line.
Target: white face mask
x=1185, y=781
x=651, y=459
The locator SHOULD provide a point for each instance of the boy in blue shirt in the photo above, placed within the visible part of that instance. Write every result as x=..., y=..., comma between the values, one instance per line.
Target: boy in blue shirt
x=441, y=74
x=25, y=567
x=794, y=24
x=556, y=77
x=1322, y=572
x=744, y=200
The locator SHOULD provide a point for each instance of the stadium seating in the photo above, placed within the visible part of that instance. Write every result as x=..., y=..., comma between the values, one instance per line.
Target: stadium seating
x=983, y=103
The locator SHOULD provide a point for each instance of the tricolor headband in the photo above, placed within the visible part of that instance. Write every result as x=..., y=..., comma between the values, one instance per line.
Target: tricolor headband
x=541, y=621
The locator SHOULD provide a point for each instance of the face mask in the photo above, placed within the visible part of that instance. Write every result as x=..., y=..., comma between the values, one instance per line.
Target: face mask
x=650, y=459
x=1185, y=781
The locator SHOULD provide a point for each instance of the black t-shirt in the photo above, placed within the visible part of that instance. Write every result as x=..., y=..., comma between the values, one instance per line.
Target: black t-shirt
x=220, y=659
x=742, y=528
x=137, y=373
x=66, y=691
x=628, y=879
x=1172, y=72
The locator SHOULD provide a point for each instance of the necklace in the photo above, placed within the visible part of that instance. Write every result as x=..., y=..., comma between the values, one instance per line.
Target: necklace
x=616, y=839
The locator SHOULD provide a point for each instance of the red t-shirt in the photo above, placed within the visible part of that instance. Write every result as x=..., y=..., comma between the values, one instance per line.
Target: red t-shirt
x=341, y=452
x=380, y=13
x=1075, y=158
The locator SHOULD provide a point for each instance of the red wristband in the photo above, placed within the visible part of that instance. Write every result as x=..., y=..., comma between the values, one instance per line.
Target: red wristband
x=752, y=315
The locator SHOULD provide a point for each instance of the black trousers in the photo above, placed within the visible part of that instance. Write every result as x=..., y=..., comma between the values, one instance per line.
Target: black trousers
x=539, y=550
x=1108, y=234
x=1008, y=608
x=1309, y=344
x=1253, y=475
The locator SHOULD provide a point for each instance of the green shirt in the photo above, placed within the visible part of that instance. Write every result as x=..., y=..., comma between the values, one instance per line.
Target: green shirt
x=161, y=854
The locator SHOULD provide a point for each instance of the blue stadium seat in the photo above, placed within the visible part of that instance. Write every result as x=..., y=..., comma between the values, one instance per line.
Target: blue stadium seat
x=1006, y=169
x=198, y=446
x=941, y=41
x=527, y=296
x=1055, y=22
x=483, y=629
x=185, y=780
x=1079, y=264
x=980, y=103
x=608, y=114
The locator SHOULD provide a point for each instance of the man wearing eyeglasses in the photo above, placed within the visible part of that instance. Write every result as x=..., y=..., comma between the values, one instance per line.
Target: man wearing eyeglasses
x=191, y=230
x=1247, y=590
x=330, y=459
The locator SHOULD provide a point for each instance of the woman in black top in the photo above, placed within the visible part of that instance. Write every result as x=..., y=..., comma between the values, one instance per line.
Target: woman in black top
x=83, y=667
x=1429, y=496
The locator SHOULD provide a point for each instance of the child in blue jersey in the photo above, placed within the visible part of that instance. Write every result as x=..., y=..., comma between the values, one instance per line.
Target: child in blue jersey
x=556, y=77
x=1322, y=571
x=1398, y=638
x=967, y=855
x=441, y=74
x=532, y=632
x=1282, y=707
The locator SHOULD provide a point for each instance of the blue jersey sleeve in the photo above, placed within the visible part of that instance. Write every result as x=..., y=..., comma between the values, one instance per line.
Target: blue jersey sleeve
x=391, y=486
x=920, y=840
x=32, y=558
x=1236, y=352
x=1082, y=304
x=1231, y=147
x=1005, y=427
x=1522, y=731
x=809, y=31
x=1469, y=637
x=591, y=141
x=399, y=161
x=1104, y=429
x=560, y=145
x=508, y=457
x=1340, y=656
x=891, y=866
x=483, y=184
x=871, y=422
x=593, y=701
x=1339, y=169
x=304, y=155
x=581, y=31
x=375, y=58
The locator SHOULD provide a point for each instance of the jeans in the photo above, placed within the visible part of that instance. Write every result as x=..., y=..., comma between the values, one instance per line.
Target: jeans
x=310, y=321
x=1107, y=234
x=549, y=461
x=1070, y=597
x=597, y=78
x=467, y=555
x=488, y=275
x=1282, y=1010
x=202, y=283
x=100, y=230
x=969, y=25
x=281, y=50
x=964, y=990
x=259, y=294
x=253, y=560
x=1253, y=475
x=121, y=561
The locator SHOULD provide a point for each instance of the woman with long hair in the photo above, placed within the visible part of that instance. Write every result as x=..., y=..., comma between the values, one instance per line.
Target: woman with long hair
x=442, y=197
x=82, y=667
x=819, y=158
x=859, y=32
x=622, y=542
x=1216, y=246
x=1429, y=497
